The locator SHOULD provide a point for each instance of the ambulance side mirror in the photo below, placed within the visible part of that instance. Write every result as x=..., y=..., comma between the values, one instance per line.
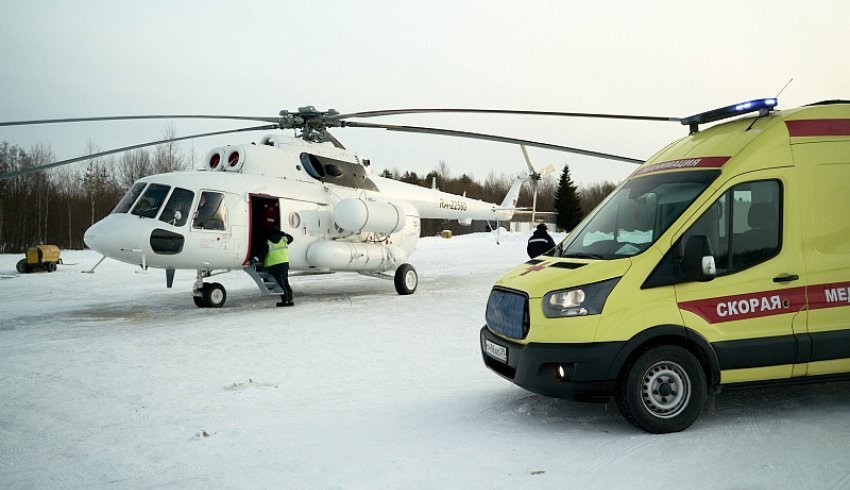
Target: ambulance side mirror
x=697, y=259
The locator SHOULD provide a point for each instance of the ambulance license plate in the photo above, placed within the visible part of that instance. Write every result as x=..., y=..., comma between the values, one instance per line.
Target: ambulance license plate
x=496, y=351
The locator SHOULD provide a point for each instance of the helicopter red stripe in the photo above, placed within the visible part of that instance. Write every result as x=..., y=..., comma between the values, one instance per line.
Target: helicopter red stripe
x=818, y=127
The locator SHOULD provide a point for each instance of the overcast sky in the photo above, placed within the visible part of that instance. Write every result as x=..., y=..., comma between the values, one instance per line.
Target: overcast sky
x=669, y=58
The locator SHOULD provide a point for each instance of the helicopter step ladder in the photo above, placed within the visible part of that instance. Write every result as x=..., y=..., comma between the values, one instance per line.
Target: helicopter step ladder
x=264, y=280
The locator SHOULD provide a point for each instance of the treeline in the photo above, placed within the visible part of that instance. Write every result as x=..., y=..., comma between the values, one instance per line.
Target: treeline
x=56, y=206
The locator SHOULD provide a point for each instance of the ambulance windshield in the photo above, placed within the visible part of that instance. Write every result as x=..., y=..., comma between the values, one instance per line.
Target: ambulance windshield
x=631, y=219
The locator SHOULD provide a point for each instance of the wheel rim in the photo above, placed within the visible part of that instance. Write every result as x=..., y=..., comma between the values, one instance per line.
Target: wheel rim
x=410, y=280
x=216, y=296
x=665, y=389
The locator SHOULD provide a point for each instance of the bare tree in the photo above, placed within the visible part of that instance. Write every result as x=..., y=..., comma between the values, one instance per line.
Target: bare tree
x=132, y=166
x=166, y=158
x=592, y=194
x=40, y=155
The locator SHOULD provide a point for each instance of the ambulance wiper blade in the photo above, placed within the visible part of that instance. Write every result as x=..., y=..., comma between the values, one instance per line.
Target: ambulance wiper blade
x=582, y=255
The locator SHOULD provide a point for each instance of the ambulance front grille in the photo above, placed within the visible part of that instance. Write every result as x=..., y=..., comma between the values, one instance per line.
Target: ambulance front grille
x=507, y=313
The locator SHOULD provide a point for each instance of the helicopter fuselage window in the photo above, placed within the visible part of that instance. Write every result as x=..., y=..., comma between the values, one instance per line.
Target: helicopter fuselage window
x=176, y=211
x=129, y=198
x=151, y=201
x=211, y=213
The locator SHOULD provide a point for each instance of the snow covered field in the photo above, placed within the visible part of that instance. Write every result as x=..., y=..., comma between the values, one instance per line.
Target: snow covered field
x=111, y=379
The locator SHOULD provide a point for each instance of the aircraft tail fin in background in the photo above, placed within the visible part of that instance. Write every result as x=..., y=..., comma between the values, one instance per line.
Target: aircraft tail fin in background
x=512, y=196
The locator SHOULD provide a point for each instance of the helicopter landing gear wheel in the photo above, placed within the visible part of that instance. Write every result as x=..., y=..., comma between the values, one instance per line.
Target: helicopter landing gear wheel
x=663, y=391
x=406, y=280
x=212, y=295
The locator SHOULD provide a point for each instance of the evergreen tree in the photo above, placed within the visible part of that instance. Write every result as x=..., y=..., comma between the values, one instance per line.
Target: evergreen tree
x=567, y=202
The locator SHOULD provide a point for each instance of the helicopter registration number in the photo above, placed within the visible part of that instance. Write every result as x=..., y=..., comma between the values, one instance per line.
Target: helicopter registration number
x=452, y=204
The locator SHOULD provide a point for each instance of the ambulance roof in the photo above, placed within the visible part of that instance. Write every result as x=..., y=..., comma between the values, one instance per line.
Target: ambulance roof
x=754, y=142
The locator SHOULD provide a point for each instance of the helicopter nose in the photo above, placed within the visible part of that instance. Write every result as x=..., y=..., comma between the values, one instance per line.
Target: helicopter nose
x=93, y=237
x=110, y=235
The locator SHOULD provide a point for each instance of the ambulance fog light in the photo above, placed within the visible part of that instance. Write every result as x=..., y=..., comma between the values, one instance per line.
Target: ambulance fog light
x=579, y=301
x=561, y=371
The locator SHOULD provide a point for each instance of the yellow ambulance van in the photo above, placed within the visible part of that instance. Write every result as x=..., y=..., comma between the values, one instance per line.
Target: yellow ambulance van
x=723, y=259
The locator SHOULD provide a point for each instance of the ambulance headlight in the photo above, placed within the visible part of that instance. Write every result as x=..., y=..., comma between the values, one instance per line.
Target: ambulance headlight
x=578, y=301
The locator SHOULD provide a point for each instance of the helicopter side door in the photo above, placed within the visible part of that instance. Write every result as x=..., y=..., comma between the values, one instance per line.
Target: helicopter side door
x=265, y=216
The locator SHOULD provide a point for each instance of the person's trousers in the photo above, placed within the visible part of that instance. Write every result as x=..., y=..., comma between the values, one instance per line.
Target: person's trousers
x=280, y=272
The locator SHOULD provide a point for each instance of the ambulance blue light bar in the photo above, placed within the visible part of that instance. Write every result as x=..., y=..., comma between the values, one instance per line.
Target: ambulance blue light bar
x=762, y=105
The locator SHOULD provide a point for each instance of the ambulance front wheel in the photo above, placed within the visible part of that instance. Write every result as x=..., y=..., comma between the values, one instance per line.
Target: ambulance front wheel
x=664, y=390
x=406, y=279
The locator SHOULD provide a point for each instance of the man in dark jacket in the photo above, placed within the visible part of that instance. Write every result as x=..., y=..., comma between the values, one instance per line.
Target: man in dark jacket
x=539, y=242
x=277, y=263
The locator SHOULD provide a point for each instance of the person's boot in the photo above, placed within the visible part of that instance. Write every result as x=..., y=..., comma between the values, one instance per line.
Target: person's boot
x=282, y=302
x=288, y=301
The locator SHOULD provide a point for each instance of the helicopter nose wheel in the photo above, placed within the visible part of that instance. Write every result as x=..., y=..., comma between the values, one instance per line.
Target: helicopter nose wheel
x=406, y=279
x=212, y=295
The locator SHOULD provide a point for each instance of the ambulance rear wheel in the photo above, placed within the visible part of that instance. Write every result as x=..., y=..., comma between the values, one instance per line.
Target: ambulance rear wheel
x=664, y=390
x=406, y=280
x=213, y=295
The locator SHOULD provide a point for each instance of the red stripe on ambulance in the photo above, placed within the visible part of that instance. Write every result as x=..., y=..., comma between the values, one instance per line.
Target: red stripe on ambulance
x=744, y=306
x=829, y=295
x=697, y=162
x=778, y=302
x=818, y=127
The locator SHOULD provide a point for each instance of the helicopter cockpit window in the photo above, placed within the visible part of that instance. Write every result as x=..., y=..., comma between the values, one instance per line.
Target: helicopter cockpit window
x=129, y=198
x=176, y=211
x=211, y=213
x=313, y=166
x=149, y=204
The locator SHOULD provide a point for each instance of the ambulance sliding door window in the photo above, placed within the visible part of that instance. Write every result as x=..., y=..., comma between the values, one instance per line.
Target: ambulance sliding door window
x=211, y=213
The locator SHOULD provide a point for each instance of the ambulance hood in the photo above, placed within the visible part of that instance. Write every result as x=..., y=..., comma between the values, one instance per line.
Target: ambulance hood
x=545, y=274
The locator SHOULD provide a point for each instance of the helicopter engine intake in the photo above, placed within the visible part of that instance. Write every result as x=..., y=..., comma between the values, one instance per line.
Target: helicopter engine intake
x=359, y=215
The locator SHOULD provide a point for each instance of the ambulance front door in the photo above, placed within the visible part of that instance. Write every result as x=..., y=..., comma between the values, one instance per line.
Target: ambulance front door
x=753, y=310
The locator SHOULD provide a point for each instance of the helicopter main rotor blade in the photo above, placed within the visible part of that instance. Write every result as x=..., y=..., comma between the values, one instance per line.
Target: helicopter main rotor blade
x=125, y=118
x=527, y=160
x=393, y=112
x=39, y=168
x=491, y=137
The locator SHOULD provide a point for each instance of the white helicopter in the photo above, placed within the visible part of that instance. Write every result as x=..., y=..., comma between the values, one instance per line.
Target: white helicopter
x=342, y=217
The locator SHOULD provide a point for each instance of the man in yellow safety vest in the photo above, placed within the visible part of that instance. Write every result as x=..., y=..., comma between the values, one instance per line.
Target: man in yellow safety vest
x=277, y=263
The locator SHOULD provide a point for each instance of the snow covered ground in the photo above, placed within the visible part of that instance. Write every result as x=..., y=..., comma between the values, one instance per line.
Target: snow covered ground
x=111, y=379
